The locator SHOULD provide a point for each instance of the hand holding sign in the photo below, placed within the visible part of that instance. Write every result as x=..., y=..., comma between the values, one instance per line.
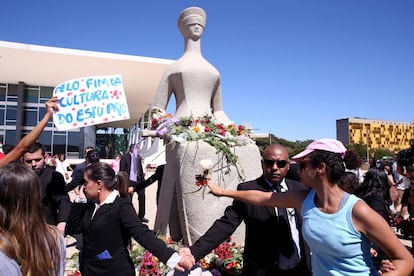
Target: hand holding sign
x=90, y=101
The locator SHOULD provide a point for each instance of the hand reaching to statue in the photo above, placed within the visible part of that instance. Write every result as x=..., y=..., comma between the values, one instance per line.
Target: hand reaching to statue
x=215, y=189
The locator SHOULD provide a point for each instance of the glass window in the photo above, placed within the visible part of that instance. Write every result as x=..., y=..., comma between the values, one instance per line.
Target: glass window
x=59, y=142
x=73, y=141
x=2, y=92
x=31, y=94
x=46, y=139
x=46, y=92
x=30, y=117
x=1, y=116
x=12, y=89
x=11, y=137
x=42, y=112
x=11, y=114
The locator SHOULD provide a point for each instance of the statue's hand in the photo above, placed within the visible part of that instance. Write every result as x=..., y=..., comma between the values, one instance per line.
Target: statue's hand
x=221, y=117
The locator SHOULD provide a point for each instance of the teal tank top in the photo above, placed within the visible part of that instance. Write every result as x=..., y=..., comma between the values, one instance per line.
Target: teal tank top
x=337, y=247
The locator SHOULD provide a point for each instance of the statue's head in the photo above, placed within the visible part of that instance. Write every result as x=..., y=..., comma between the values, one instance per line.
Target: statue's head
x=191, y=15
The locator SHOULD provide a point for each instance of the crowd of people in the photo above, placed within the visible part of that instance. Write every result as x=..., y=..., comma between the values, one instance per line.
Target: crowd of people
x=36, y=212
x=340, y=228
x=289, y=208
x=318, y=215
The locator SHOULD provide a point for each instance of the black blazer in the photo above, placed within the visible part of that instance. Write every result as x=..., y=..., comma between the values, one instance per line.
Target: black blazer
x=261, y=245
x=110, y=229
x=54, y=196
x=125, y=166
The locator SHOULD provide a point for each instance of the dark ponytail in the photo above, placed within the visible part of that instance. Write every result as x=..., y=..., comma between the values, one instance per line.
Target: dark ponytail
x=122, y=183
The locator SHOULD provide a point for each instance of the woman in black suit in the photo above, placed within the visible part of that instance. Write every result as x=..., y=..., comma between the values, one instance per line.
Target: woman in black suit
x=108, y=221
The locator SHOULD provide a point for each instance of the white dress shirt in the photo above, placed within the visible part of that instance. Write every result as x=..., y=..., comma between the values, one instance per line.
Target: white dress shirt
x=294, y=259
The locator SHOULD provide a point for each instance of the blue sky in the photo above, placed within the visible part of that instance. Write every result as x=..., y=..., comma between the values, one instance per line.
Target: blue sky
x=289, y=67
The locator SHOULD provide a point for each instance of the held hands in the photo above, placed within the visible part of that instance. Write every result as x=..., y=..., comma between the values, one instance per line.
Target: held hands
x=386, y=266
x=187, y=260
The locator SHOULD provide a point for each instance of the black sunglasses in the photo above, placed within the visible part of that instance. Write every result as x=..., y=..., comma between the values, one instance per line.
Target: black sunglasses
x=280, y=163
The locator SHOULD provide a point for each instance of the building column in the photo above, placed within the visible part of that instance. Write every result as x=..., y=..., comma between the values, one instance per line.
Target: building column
x=19, y=111
x=87, y=139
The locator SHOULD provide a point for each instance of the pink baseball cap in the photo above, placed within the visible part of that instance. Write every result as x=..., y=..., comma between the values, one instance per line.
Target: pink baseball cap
x=326, y=144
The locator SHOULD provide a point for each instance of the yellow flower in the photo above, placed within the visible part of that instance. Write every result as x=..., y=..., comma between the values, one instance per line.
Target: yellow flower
x=196, y=128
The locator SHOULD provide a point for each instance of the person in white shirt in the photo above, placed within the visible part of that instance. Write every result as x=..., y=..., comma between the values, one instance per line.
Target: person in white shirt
x=63, y=167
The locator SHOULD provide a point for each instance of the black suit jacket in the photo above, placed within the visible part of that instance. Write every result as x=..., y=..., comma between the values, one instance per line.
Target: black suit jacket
x=54, y=196
x=261, y=245
x=77, y=177
x=125, y=166
x=111, y=229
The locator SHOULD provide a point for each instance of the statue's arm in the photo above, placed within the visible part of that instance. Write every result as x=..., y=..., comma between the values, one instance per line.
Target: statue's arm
x=217, y=106
x=164, y=91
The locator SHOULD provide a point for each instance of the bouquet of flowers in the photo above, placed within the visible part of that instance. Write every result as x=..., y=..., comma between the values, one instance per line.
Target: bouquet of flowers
x=227, y=259
x=202, y=179
x=222, y=137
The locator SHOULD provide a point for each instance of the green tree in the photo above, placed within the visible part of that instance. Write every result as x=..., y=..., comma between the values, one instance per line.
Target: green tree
x=292, y=147
x=379, y=153
x=361, y=149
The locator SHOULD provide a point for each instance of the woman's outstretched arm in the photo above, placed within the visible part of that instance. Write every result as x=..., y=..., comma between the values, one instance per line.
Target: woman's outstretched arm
x=31, y=137
x=289, y=199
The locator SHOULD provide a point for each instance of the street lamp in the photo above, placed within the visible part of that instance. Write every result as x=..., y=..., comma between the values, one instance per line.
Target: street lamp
x=367, y=142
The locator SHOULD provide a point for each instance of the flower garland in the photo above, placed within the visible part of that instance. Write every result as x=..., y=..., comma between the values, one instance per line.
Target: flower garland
x=223, y=137
x=226, y=259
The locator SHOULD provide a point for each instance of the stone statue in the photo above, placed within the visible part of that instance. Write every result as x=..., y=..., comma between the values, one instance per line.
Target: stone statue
x=184, y=209
x=192, y=79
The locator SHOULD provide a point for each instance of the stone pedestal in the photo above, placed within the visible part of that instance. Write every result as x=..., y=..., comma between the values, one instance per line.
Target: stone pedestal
x=185, y=210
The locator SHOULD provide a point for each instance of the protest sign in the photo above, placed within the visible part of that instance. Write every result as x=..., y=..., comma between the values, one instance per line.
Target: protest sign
x=90, y=101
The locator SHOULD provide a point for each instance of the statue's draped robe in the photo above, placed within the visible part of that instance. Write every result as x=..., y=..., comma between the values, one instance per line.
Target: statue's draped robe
x=187, y=210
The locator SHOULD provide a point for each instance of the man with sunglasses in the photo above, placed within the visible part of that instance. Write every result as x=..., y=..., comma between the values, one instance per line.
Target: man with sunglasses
x=273, y=243
x=54, y=196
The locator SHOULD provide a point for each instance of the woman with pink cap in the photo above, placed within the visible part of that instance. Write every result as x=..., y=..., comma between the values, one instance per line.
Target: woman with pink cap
x=337, y=226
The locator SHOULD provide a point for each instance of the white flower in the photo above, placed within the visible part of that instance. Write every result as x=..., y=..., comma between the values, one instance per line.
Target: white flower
x=209, y=258
x=206, y=164
x=182, y=137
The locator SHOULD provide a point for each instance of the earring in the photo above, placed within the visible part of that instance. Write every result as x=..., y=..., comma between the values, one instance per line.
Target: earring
x=99, y=190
